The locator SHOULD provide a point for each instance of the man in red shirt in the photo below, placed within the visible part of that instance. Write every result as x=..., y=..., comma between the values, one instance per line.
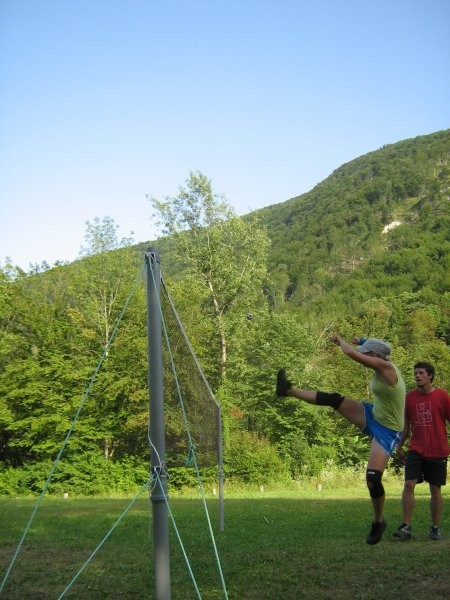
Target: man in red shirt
x=426, y=411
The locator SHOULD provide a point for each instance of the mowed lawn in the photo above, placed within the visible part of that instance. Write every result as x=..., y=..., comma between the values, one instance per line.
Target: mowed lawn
x=275, y=545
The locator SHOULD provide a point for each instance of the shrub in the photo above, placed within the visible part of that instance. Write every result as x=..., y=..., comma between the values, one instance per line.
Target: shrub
x=88, y=474
x=181, y=477
x=251, y=459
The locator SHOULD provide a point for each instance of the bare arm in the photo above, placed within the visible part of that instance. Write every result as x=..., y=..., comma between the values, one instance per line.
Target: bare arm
x=403, y=438
x=383, y=368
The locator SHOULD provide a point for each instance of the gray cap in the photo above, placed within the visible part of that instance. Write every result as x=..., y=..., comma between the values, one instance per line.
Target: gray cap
x=375, y=345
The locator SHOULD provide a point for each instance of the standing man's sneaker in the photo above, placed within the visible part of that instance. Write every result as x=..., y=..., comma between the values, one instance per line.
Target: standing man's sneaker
x=435, y=534
x=376, y=531
x=403, y=532
x=283, y=384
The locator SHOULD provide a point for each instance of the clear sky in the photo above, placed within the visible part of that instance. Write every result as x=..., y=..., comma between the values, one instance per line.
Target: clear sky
x=105, y=101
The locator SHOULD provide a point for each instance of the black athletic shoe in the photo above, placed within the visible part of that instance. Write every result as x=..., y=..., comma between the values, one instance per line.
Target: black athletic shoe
x=403, y=532
x=283, y=384
x=376, y=531
x=435, y=534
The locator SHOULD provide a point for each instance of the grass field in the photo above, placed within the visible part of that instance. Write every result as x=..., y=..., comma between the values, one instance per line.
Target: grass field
x=276, y=545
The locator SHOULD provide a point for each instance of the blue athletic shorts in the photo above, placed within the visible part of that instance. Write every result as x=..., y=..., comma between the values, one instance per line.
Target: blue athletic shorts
x=387, y=438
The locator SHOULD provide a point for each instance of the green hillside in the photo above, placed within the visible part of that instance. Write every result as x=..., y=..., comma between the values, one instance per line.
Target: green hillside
x=377, y=225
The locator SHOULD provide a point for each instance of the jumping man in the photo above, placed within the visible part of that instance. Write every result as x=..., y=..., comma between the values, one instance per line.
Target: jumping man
x=383, y=420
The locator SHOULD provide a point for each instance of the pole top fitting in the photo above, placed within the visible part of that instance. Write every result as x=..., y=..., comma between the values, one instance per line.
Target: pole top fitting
x=152, y=254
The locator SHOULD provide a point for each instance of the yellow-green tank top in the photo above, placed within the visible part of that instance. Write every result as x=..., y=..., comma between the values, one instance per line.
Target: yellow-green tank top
x=389, y=401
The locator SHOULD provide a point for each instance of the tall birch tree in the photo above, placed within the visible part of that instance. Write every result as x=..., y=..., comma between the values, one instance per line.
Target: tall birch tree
x=226, y=253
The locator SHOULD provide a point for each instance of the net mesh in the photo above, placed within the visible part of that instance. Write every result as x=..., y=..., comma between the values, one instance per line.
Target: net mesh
x=200, y=407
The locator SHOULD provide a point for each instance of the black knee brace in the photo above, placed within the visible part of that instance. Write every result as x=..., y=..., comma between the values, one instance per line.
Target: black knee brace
x=326, y=399
x=373, y=479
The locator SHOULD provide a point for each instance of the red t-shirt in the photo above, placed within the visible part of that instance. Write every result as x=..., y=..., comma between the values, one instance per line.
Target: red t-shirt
x=426, y=414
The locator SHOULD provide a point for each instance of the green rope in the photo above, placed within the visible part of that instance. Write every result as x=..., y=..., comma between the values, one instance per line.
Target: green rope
x=97, y=548
x=191, y=444
x=69, y=433
x=190, y=458
x=191, y=573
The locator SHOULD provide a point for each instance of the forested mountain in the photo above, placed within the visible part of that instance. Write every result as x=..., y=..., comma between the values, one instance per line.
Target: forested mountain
x=366, y=252
x=377, y=225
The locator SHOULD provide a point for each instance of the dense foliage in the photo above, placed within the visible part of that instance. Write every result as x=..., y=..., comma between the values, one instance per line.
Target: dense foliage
x=365, y=252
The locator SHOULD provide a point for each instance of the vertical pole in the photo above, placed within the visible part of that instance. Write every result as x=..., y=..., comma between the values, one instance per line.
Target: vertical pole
x=221, y=472
x=161, y=560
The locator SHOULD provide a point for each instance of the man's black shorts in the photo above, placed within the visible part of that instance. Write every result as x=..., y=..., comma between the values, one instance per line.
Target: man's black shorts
x=433, y=470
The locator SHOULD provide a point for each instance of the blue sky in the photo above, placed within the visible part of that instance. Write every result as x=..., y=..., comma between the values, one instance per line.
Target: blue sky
x=105, y=101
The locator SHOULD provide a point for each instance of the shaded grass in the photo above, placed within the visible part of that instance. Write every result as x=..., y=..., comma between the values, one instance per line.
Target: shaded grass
x=275, y=546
